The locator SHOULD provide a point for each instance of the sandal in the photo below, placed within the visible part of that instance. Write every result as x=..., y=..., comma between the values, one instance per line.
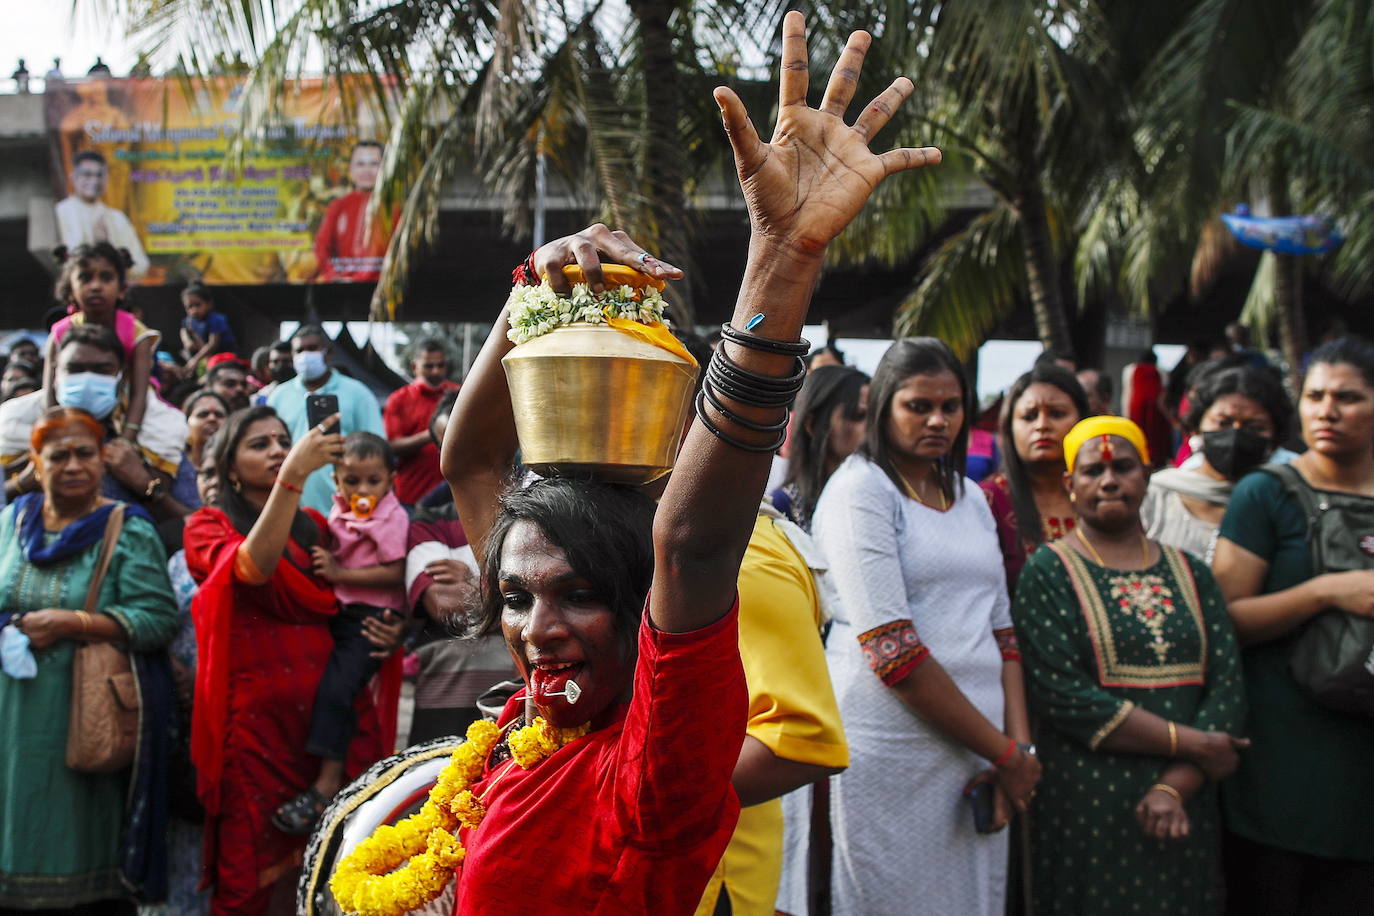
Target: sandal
x=298, y=816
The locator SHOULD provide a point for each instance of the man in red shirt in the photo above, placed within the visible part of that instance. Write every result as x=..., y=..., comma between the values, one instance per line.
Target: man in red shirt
x=406, y=418
x=347, y=248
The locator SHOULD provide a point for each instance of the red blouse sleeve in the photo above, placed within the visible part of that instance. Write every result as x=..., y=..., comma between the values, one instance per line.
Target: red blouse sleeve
x=682, y=735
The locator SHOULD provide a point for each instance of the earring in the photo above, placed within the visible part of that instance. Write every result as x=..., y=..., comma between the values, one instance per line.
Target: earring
x=236, y=484
x=1073, y=497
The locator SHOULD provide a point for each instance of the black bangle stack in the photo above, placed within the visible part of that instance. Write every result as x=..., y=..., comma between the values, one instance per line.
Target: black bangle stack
x=726, y=377
x=766, y=344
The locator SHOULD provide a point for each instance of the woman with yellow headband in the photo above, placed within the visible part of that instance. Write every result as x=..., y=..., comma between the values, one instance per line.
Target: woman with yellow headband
x=1132, y=667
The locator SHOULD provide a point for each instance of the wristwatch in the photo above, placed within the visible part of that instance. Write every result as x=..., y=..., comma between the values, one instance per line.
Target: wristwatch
x=153, y=492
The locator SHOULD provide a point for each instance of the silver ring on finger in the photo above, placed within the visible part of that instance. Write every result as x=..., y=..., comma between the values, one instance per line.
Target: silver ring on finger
x=321, y=429
x=643, y=258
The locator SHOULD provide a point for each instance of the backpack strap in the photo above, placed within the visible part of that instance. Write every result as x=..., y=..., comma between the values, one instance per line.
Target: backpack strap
x=1312, y=506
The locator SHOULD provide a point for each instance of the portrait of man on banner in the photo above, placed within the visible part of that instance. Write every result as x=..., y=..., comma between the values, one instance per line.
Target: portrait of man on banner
x=83, y=218
x=348, y=246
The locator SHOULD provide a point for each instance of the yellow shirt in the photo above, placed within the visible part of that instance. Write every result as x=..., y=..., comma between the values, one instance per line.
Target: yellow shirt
x=792, y=707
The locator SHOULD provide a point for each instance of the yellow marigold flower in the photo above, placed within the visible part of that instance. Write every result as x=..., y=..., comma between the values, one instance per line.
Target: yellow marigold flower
x=468, y=809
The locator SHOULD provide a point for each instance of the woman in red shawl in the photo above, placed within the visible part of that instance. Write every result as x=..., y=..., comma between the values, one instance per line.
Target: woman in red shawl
x=262, y=630
x=1144, y=402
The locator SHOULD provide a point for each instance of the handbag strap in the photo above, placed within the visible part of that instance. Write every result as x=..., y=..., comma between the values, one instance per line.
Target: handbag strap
x=113, y=526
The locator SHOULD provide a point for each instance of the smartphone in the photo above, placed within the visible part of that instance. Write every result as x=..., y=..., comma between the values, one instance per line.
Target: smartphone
x=980, y=799
x=320, y=407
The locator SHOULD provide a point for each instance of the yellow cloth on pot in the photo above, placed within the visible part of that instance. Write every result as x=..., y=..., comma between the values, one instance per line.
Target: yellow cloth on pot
x=656, y=335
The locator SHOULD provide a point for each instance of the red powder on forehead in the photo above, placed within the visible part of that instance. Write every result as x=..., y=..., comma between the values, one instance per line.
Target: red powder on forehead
x=1106, y=447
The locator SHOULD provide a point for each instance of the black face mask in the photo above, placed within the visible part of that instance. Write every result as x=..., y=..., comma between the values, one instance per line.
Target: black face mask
x=1236, y=451
x=283, y=373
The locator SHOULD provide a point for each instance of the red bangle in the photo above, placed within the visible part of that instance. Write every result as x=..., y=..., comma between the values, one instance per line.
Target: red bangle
x=290, y=486
x=1006, y=755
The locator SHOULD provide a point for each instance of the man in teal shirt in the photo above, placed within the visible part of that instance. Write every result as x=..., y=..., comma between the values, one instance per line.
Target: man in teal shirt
x=358, y=408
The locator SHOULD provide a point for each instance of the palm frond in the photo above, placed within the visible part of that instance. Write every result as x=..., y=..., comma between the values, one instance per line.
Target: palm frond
x=968, y=284
x=1260, y=310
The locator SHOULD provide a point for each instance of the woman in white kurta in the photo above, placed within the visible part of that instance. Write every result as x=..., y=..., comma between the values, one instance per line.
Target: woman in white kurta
x=923, y=656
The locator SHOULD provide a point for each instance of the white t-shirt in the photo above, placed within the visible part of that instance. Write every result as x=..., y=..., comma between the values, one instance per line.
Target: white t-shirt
x=82, y=223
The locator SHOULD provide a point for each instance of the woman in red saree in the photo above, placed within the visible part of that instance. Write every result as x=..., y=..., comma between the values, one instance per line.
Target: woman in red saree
x=261, y=627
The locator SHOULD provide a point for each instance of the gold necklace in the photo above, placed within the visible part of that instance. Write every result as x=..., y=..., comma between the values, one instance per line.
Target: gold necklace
x=914, y=494
x=1144, y=548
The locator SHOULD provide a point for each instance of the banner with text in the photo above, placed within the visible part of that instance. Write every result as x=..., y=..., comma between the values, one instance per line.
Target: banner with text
x=140, y=163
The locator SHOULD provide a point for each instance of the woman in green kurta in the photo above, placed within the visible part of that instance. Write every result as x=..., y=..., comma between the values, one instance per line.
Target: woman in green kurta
x=1300, y=812
x=60, y=831
x=1133, y=672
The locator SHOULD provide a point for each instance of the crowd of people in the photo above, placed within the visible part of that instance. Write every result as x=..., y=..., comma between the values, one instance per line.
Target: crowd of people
x=1064, y=681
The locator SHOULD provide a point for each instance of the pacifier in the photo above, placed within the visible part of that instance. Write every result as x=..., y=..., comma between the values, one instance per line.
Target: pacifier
x=361, y=506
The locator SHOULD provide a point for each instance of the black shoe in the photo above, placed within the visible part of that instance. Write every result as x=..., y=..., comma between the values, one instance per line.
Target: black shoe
x=298, y=816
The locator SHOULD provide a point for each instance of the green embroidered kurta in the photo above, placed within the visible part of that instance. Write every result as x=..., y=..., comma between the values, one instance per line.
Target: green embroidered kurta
x=60, y=830
x=1097, y=643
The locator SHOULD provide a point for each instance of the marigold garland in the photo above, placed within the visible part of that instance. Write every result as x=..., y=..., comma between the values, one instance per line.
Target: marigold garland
x=370, y=882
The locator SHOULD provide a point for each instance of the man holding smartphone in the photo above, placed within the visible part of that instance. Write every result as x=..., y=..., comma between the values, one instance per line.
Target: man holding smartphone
x=358, y=409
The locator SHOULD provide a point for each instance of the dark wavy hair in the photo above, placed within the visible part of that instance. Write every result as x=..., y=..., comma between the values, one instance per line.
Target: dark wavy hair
x=200, y=394
x=96, y=336
x=825, y=389
x=905, y=358
x=1259, y=385
x=1348, y=351
x=72, y=260
x=1013, y=467
x=605, y=530
x=241, y=512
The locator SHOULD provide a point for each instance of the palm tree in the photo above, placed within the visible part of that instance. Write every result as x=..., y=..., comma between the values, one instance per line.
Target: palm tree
x=1264, y=100
x=1010, y=92
x=614, y=104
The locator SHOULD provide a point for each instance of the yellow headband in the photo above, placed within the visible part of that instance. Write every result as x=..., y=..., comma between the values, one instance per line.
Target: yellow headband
x=1103, y=426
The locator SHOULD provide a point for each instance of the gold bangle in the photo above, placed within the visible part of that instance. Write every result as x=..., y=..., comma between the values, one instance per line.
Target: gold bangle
x=1173, y=739
x=1169, y=790
x=85, y=623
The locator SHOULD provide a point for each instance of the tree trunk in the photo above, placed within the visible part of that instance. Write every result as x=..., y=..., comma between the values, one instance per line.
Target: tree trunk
x=1042, y=272
x=1288, y=290
x=664, y=168
x=1288, y=306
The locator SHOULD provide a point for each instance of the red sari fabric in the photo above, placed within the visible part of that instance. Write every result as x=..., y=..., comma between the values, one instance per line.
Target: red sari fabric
x=261, y=651
x=1146, y=387
x=1016, y=549
x=632, y=818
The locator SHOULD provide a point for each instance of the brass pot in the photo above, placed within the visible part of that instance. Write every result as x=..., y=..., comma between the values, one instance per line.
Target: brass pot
x=592, y=401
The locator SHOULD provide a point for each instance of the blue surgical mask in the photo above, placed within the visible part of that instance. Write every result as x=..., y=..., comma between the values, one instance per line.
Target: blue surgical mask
x=309, y=364
x=92, y=392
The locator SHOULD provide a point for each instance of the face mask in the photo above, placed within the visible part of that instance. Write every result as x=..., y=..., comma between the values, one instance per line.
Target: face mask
x=309, y=364
x=362, y=506
x=90, y=391
x=1233, y=452
x=283, y=373
x=15, y=656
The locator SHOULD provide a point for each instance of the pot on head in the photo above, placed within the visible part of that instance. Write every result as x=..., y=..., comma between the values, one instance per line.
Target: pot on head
x=592, y=401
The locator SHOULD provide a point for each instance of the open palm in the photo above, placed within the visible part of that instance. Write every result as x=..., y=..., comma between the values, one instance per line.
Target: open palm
x=817, y=172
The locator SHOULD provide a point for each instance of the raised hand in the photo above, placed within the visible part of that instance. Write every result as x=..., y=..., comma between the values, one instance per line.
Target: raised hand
x=805, y=185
